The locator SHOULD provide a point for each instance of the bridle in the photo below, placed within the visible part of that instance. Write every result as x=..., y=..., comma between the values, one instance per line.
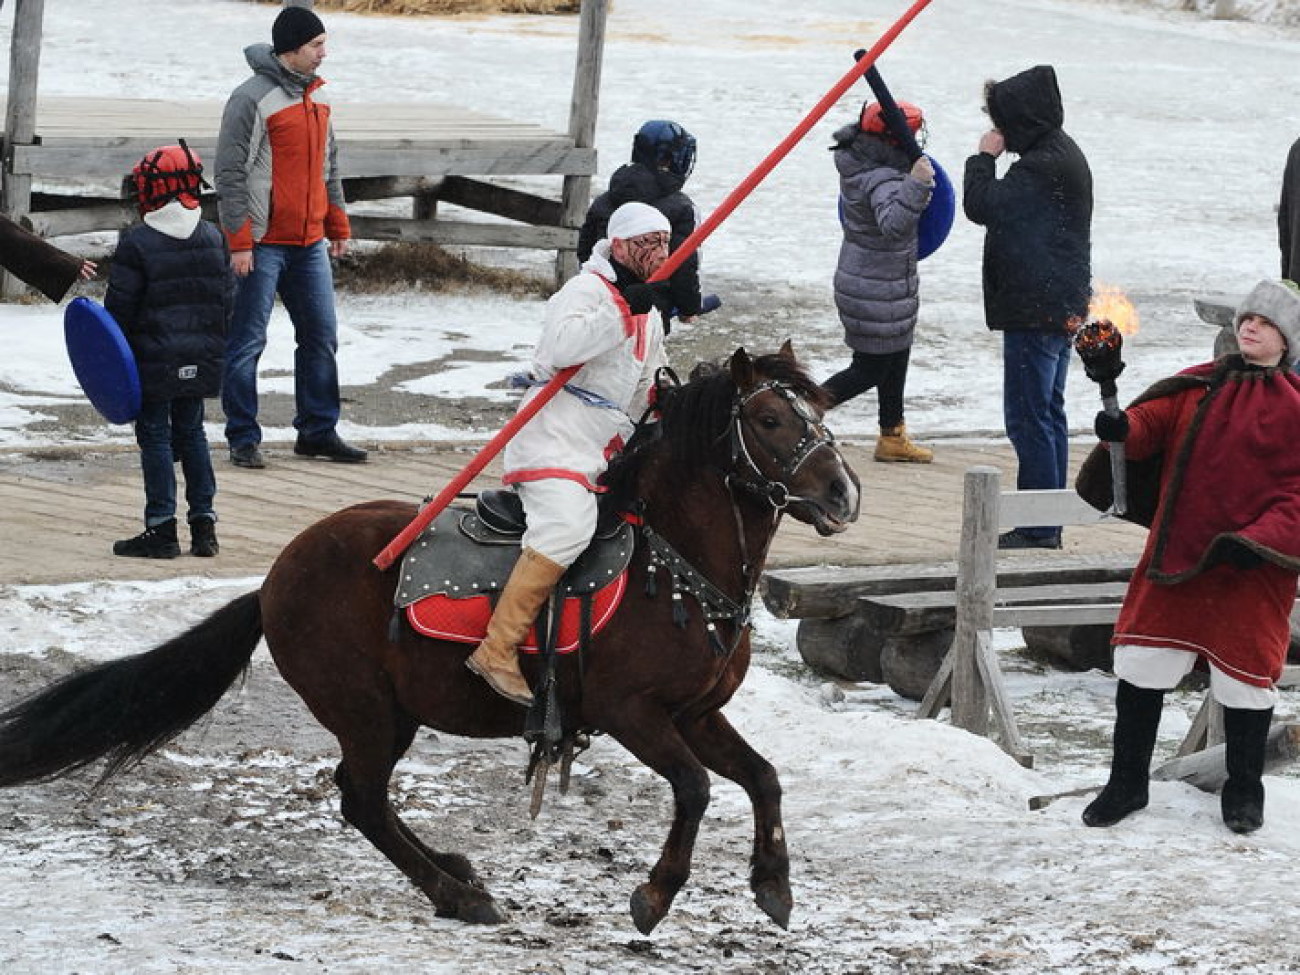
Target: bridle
x=750, y=477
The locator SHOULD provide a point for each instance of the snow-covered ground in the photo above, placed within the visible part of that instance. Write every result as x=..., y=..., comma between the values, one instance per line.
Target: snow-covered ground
x=914, y=849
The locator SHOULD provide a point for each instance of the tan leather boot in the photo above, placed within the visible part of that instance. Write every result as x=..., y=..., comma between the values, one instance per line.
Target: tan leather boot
x=497, y=658
x=895, y=446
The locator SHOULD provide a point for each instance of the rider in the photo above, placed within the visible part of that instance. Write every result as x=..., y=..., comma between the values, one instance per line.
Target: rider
x=598, y=320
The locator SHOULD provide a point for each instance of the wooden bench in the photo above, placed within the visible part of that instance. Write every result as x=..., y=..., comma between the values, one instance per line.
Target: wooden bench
x=893, y=624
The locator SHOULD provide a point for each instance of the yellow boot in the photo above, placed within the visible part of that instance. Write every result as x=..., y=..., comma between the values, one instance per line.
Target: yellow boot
x=497, y=658
x=895, y=446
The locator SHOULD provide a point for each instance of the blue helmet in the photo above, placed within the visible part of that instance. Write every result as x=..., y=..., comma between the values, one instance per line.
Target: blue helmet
x=662, y=144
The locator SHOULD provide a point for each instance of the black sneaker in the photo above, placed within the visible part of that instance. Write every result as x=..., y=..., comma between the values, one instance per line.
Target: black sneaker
x=330, y=446
x=158, y=542
x=1021, y=539
x=203, y=538
x=247, y=456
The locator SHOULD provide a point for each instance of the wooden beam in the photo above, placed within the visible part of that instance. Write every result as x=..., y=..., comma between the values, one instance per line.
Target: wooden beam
x=1207, y=769
x=20, y=118
x=583, y=107
x=500, y=200
x=976, y=582
x=463, y=234
x=523, y=159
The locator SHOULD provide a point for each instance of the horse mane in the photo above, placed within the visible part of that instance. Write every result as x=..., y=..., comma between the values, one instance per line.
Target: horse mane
x=694, y=419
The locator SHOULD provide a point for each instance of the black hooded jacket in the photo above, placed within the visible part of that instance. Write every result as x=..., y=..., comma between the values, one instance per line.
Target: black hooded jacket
x=663, y=191
x=1037, y=249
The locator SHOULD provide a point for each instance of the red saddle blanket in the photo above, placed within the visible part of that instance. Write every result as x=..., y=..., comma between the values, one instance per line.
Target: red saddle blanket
x=465, y=620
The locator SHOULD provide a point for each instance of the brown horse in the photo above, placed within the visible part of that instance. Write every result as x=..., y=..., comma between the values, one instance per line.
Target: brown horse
x=734, y=449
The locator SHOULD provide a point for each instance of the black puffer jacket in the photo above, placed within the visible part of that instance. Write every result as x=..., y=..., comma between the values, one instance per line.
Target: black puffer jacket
x=663, y=191
x=173, y=300
x=1038, y=249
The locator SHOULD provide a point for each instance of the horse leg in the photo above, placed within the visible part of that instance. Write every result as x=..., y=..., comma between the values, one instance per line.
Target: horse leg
x=363, y=776
x=650, y=735
x=455, y=864
x=721, y=748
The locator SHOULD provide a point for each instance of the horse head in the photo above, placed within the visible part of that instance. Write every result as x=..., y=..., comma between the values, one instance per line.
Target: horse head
x=781, y=449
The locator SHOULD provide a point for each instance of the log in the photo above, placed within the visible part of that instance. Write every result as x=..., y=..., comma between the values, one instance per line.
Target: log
x=846, y=648
x=1207, y=769
x=1074, y=647
x=909, y=664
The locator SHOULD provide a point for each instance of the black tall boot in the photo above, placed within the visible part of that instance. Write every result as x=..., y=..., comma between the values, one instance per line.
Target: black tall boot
x=1245, y=734
x=1137, y=718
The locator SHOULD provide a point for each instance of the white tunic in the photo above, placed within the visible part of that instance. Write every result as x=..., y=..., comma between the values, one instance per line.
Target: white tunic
x=587, y=321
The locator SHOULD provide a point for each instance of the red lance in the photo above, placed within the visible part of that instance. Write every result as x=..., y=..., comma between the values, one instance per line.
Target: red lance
x=393, y=550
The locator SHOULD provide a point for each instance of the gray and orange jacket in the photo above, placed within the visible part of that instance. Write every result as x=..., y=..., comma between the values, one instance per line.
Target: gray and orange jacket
x=277, y=178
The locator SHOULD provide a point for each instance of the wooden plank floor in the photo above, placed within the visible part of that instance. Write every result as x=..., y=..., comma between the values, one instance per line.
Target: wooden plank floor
x=78, y=121
x=61, y=509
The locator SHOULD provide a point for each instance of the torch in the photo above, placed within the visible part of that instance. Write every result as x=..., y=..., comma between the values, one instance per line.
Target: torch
x=1100, y=345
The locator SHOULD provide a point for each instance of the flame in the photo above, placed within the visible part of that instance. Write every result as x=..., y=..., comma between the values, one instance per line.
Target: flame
x=1112, y=305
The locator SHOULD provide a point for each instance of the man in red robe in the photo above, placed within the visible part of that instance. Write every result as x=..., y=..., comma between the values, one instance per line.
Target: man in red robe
x=1213, y=453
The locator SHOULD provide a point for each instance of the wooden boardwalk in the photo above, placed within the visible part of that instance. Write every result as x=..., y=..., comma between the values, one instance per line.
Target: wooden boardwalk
x=61, y=509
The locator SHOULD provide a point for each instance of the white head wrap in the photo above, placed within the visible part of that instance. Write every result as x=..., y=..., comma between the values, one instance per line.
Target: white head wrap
x=634, y=219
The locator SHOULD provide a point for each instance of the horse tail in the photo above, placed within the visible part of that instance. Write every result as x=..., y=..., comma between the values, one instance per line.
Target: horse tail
x=125, y=709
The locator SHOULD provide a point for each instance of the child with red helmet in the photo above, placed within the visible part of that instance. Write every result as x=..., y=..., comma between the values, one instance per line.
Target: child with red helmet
x=171, y=290
x=882, y=197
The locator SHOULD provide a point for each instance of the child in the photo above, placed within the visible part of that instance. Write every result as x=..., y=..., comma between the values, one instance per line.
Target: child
x=1217, y=579
x=663, y=155
x=171, y=290
x=882, y=197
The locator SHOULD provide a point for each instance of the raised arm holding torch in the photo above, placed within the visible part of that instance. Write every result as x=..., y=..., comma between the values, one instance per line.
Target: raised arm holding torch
x=1100, y=344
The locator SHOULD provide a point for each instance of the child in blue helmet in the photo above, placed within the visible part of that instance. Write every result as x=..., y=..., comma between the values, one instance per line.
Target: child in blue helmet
x=663, y=155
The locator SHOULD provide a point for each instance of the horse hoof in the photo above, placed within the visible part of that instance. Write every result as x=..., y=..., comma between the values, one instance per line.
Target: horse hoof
x=481, y=912
x=646, y=911
x=776, y=905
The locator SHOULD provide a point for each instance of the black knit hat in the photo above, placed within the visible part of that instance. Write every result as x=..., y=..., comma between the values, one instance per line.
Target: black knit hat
x=293, y=28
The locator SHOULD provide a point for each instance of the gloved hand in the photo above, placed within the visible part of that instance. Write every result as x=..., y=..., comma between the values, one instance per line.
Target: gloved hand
x=923, y=171
x=1111, y=428
x=641, y=298
x=1229, y=551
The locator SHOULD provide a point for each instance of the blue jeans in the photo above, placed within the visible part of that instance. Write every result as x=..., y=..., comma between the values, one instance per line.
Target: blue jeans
x=1035, y=366
x=302, y=278
x=169, y=430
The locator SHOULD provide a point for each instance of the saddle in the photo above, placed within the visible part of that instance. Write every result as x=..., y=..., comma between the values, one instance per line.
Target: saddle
x=451, y=573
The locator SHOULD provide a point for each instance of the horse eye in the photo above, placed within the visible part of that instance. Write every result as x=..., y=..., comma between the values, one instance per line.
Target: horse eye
x=770, y=421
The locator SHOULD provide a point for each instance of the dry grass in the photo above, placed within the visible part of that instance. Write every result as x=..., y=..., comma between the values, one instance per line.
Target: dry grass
x=446, y=8
x=427, y=267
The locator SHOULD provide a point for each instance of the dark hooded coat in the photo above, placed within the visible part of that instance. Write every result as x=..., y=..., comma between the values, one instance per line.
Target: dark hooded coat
x=663, y=191
x=1288, y=215
x=1037, y=250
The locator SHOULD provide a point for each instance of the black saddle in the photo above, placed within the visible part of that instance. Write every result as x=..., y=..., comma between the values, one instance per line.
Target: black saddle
x=467, y=553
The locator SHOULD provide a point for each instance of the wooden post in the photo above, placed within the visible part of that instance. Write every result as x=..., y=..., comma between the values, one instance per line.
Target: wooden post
x=20, y=118
x=576, y=194
x=976, y=584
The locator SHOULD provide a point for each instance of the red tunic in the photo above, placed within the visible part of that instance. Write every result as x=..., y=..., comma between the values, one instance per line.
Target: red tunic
x=1235, y=618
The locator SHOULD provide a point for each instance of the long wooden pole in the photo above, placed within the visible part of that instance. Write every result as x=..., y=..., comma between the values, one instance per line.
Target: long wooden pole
x=430, y=511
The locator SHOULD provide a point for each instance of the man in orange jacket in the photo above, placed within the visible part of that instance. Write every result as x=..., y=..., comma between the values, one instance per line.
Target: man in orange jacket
x=280, y=203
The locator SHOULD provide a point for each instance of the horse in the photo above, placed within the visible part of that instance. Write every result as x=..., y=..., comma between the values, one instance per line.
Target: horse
x=733, y=450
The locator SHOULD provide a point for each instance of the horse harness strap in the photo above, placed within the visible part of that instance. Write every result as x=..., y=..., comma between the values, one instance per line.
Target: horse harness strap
x=684, y=578
x=815, y=437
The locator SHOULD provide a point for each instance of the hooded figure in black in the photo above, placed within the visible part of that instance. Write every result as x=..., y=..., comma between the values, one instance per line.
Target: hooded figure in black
x=1037, y=270
x=663, y=155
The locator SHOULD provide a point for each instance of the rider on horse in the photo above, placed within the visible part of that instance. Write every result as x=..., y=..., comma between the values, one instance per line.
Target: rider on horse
x=599, y=319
